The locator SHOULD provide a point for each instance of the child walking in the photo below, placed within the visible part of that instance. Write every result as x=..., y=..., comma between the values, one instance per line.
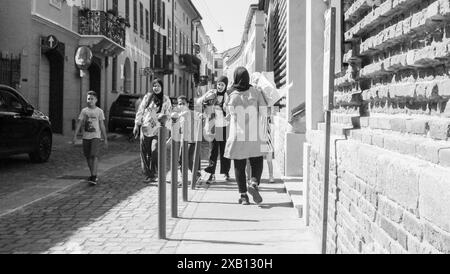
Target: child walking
x=92, y=123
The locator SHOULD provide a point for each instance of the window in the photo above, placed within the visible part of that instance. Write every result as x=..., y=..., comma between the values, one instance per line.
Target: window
x=114, y=74
x=135, y=77
x=158, y=9
x=147, y=23
x=163, y=20
x=141, y=16
x=169, y=33
x=135, y=16
x=56, y=3
x=127, y=10
x=116, y=6
x=176, y=40
x=9, y=102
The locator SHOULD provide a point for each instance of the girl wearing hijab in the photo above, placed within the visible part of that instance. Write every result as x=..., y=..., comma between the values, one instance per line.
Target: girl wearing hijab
x=146, y=124
x=245, y=142
x=217, y=128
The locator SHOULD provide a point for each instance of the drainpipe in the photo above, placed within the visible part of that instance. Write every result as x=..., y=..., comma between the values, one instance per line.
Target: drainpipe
x=328, y=129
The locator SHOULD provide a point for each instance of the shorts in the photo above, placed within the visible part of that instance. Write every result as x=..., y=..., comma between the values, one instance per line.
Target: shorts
x=91, y=148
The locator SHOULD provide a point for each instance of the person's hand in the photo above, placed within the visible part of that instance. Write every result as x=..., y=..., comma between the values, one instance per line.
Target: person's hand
x=136, y=132
x=74, y=140
x=210, y=96
x=106, y=144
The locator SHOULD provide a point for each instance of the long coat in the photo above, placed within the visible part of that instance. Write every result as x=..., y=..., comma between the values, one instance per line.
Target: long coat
x=247, y=138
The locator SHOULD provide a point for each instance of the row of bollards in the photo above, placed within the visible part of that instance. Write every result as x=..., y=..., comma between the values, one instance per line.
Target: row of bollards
x=162, y=158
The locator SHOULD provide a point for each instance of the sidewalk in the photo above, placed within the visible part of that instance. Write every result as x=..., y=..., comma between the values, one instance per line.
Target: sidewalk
x=214, y=223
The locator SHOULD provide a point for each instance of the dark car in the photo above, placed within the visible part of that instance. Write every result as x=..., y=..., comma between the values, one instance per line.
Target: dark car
x=22, y=128
x=123, y=112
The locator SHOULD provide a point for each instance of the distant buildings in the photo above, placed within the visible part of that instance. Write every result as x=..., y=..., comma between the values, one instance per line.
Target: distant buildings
x=132, y=41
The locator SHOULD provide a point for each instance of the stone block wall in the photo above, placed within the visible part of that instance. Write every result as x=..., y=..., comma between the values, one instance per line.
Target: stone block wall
x=390, y=167
x=389, y=187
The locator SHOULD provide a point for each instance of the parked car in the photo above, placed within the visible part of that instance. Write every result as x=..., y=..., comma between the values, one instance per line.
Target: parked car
x=123, y=112
x=23, y=130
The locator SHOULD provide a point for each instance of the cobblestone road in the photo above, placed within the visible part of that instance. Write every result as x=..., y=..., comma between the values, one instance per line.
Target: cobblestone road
x=118, y=216
x=17, y=173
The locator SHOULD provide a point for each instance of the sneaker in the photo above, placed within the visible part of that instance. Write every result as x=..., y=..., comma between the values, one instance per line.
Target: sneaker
x=244, y=200
x=149, y=180
x=253, y=189
x=227, y=177
x=94, y=180
x=211, y=179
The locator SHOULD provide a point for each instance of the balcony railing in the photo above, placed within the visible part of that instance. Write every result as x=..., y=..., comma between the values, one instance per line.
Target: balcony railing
x=102, y=23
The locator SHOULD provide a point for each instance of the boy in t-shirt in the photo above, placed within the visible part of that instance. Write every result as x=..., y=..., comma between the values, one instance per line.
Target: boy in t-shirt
x=92, y=123
x=189, y=122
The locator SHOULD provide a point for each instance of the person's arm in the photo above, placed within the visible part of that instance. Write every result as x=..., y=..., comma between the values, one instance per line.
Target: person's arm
x=77, y=130
x=208, y=96
x=103, y=130
x=139, y=116
x=78, y=127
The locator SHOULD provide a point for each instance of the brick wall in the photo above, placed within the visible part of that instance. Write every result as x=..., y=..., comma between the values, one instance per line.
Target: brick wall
x=390, y=171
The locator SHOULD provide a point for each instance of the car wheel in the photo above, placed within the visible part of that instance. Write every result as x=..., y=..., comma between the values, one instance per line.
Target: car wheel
x=43, y=150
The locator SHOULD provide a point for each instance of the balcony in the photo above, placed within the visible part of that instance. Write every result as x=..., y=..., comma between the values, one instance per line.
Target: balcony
x=163, y=64
x=190, y=63
x=102, y=31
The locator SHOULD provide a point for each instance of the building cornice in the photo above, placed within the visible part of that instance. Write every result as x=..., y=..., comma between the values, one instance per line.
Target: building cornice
x=46, y=21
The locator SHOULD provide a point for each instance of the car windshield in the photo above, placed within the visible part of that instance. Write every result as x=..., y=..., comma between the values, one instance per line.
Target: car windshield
x=127, y=101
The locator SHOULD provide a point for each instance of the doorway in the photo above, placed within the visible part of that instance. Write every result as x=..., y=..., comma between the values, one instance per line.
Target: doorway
x=127, y=76
x=95, y=75
x=56, y=88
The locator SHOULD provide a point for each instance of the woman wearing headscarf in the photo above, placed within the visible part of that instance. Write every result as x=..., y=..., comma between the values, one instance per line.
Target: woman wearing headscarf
x=245, y=142
x=216, y=128
x=147, y=125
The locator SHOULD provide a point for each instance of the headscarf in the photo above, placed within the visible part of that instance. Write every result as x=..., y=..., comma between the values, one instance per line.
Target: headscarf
x=223, y=79
x=241, y=79
x=158, y=99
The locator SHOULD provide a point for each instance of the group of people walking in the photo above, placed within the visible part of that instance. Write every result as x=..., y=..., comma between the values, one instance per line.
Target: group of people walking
x=228, y=127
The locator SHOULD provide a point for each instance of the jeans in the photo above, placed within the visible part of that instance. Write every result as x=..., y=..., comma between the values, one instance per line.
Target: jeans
x=149, y=156
x=217, y=149
x=191, y=151
x=256, y=164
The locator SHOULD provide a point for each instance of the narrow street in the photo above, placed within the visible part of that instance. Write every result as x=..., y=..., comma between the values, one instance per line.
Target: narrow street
x=120, y=215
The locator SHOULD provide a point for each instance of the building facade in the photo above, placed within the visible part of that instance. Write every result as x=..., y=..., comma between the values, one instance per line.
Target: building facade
x=132, y=41
x=218, y=66
x=251, y=52
x=46, y=35
x=186, y=64
x=206, y=51
x=285, y=55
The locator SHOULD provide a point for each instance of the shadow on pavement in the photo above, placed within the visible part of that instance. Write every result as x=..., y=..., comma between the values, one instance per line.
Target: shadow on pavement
x=282, y=205
x=221, y=220
x=50, y=222
x=215, y=242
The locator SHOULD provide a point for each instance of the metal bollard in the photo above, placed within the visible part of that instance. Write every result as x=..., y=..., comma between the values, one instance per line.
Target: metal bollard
x=196, y=167
x=185, y=168
x=198, y=135
x=174, y=167
x=162, y=137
